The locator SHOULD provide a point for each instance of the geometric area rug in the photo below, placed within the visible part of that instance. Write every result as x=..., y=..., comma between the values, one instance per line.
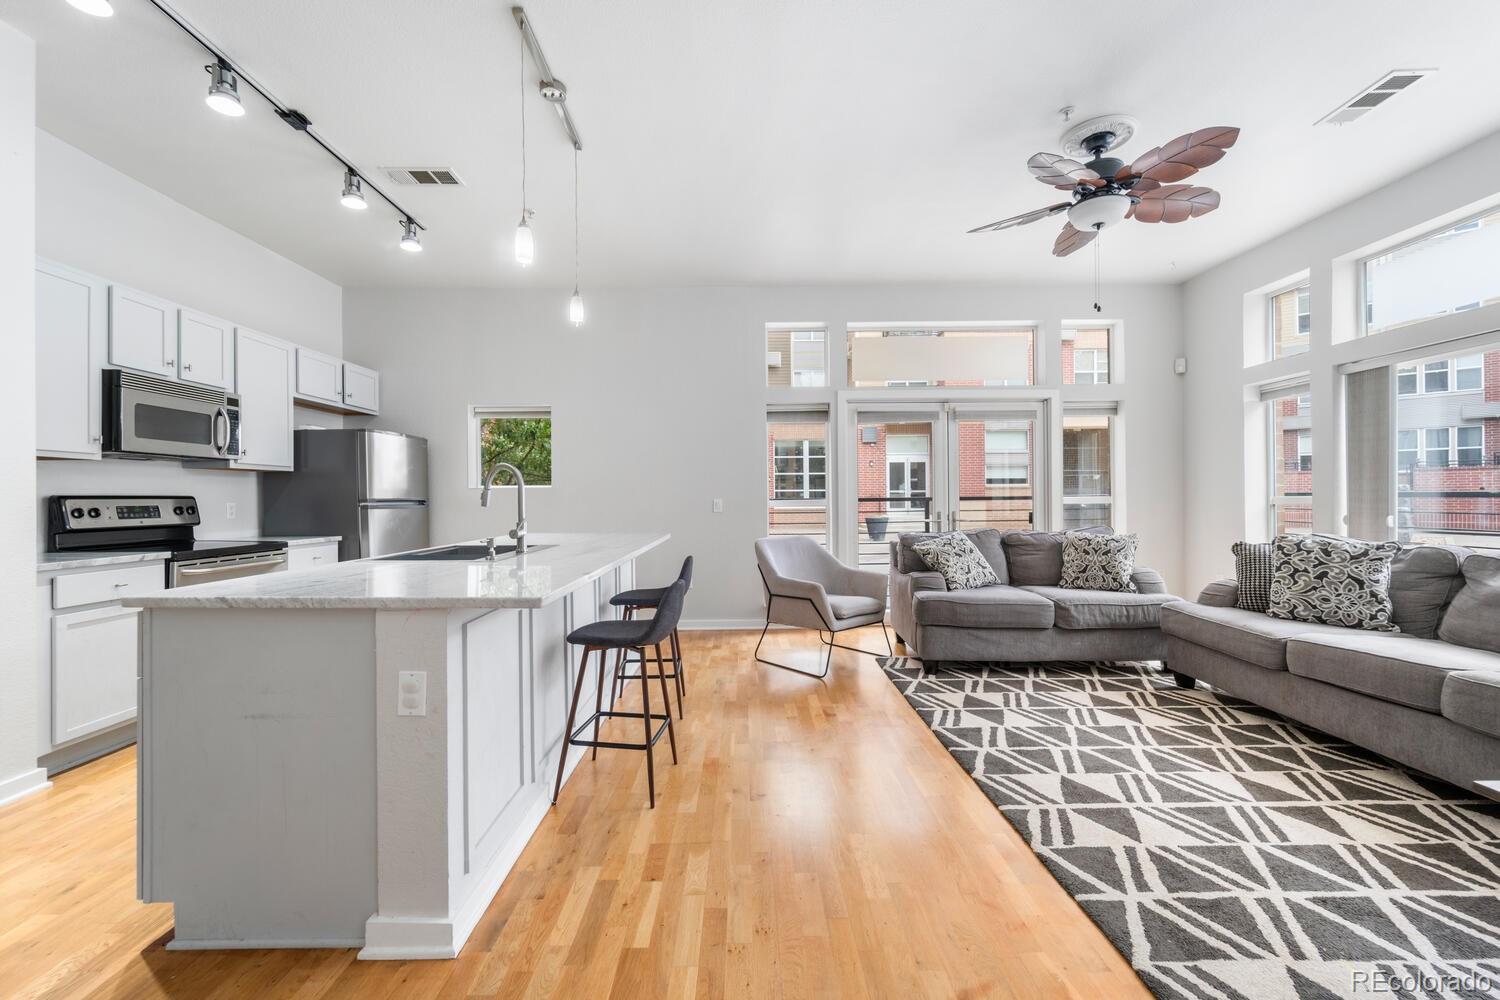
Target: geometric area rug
x=1225, y=851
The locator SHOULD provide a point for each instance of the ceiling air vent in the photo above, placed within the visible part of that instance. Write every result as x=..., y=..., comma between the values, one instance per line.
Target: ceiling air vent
x=1372, y=97
x=426, y=176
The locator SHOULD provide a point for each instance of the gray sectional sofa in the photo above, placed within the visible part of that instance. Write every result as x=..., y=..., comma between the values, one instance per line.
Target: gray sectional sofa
x=1028, y=617
x=1431, y=704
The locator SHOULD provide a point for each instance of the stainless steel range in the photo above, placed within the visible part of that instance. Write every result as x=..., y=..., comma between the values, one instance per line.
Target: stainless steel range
x=161, y=523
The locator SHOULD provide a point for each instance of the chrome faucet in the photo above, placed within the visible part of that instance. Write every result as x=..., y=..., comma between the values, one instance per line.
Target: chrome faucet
x=519, y=531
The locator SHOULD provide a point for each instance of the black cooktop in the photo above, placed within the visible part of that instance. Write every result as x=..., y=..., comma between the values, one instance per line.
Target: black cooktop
x=163, y=523
x=208, y=548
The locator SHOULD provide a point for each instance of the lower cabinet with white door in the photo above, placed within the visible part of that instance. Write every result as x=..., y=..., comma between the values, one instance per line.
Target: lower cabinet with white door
x=89, y=662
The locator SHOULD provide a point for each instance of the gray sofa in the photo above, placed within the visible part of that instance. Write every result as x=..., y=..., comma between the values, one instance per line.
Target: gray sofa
x=1028, y=617
x=1431, y=704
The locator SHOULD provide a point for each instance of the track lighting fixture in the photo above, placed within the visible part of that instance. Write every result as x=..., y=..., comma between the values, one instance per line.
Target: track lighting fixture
x=410, y=241
x=354, y=194
x=575, y=304
x=224, y=91
x=98, y=8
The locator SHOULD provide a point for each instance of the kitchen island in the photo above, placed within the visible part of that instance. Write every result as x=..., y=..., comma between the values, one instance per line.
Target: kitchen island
x=355, y=756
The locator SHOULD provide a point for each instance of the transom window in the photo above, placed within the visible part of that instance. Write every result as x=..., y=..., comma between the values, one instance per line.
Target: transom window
x=1290, y=321
x=1461, y=374
x=942, y=356
x=796, y=358
x=1086, y=356
x=1448, y=271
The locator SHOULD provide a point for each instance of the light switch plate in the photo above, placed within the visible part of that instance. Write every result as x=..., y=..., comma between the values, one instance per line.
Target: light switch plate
x=718, y=505
x=231, y=510
x=411, y=692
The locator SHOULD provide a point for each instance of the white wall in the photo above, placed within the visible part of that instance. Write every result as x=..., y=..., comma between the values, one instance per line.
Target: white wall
x=659, y=403
x=92, y=217
x=1221, y=495
x=18, y=771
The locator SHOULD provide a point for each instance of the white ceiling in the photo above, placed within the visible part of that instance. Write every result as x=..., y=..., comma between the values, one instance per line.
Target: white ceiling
x=755, y=141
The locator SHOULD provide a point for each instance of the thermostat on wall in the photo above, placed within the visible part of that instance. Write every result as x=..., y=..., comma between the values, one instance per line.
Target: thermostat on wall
x=1179, y=365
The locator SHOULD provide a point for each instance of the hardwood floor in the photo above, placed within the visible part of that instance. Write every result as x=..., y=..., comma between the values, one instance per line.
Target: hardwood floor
x=815, y=841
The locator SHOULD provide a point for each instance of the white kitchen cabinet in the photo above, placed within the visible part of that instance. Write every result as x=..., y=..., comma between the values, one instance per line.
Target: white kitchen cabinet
x=205, y=349
x=142, y=332
x=311, y=556
x=72, y=328
x=264, y=374
x=361, y=389
x=94, y=660
x=320, y=378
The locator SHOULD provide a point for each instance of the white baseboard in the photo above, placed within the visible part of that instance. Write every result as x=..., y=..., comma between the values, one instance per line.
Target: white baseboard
x=23, y=784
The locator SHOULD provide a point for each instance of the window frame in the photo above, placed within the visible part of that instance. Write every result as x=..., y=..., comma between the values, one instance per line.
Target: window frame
x=1459, y=447
x=1009, y=454
x=1301, y=285
x=1031, y=328
x=806, y=474
x=792, y=331
x=478, y=413
x=1362, y=269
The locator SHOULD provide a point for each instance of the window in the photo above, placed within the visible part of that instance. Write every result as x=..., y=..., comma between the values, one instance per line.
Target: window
x=1290, y=450
x=522, y=437
x=1435, y=453
x=1469, y=372
x=1471, y=445
x=797, y=473
x=1408, y=449
x=1088, y=497
x=1085, y=356
x=1406, y=380
x=1007, y=457
x=1290, y=321
x=1462, y=374
x=1435, y=376
x=941, y=357
x=1443, y=272
x=1304, y=451
x=796, y=358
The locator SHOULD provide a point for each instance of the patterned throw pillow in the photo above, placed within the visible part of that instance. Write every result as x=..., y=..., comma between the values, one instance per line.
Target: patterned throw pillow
x=1333, y=581
x=1254, y=562
x=1098, y=562
x=959, y=560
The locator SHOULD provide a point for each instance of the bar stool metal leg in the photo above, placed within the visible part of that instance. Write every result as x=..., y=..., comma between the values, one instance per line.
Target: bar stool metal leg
x=562, y=755
x=598, y=700
x=666, y=695
x=646, y=721
x=677, y=665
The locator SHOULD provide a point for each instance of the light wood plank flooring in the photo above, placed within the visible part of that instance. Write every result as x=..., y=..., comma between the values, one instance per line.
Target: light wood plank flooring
x=815, y=841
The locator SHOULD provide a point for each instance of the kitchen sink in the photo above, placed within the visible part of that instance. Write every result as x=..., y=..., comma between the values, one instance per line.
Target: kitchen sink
x=458, y=553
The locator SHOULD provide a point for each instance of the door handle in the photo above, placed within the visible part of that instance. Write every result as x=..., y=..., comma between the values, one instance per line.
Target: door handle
x=225, y=567
x=221, y=414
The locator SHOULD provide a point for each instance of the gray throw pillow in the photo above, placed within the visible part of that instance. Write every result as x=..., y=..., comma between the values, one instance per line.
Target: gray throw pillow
x=959, y=560
x=1333, y=581
x=1473, y=619
x=1098, y=562
x=986, y=540
x=1253, y=566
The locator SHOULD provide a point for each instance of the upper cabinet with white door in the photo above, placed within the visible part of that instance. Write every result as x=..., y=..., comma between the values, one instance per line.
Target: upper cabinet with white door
x=72, y=327
x=333, y=384
x=361, y=389
x=264, y=372
x=205, y=349
x=142, y=332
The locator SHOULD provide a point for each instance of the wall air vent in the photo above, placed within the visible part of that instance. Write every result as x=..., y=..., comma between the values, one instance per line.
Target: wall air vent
x=425, y=176
x=1367, y=100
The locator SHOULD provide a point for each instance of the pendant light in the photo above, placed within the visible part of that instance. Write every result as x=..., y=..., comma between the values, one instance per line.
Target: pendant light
x=576, y=313
x=410, y=241
x=224, y=91
x=525, y=242
x=354, y=193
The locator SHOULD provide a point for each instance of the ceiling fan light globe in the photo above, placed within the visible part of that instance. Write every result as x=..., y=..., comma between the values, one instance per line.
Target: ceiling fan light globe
x=1099, y=212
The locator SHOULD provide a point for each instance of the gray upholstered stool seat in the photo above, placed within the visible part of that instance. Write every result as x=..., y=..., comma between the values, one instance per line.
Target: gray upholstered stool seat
x=612, y=633
x=641, y=597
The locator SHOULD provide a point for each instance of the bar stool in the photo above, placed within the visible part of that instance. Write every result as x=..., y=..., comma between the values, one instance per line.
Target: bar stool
x=649, y=597
x=603, y=637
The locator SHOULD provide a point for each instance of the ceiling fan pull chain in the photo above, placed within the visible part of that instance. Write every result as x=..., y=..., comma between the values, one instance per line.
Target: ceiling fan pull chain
x=1097, y=307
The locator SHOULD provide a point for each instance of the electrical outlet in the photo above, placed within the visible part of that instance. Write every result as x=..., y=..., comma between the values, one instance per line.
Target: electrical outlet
x=718, y=505
x=411, y=693
x=231, y=510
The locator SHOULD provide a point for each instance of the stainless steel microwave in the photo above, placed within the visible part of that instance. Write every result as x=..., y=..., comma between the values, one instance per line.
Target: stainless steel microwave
x=146, y=417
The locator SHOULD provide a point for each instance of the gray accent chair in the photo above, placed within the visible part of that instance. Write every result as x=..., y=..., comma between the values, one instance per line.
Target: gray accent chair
x=807, y=587
x=1424, y=697
x=1028, y=617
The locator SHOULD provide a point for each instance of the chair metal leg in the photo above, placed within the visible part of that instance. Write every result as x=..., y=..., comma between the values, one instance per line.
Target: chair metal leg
x=646, y=721
x=828, y=659
x=666, y=696
x=562, y=755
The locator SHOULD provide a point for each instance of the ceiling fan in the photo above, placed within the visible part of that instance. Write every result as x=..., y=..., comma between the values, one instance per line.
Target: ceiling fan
x=1106, y=191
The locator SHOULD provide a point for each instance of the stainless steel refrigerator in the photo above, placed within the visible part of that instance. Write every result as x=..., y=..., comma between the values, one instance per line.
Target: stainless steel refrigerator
x=368, y=486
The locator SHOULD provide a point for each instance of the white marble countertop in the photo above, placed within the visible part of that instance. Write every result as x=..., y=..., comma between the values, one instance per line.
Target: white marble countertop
x=569, y=561
x=50, y=561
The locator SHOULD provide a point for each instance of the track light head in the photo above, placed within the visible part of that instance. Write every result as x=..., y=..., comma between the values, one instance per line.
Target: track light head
x=224, y=91
x=98, y=8
x=410, y=241
x=354, y=192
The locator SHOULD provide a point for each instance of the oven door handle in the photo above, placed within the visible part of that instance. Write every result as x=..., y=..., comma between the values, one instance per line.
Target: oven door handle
x=275, y=560
x=221, y=413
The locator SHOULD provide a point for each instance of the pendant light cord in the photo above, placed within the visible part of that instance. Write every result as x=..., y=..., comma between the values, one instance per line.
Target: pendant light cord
x=575, y=219
x=523, y=127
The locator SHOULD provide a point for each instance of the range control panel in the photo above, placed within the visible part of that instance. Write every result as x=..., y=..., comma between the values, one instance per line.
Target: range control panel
x=91, y=512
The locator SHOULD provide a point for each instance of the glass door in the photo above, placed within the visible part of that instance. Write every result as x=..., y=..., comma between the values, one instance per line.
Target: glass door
x=998, y=467
x=900, y=462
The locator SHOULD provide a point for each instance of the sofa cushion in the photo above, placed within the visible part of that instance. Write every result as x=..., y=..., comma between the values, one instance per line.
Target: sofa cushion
x=1473, y=619
x=1098, y=562
x=1085, y=609
x=986, y=607
x=1035, y=558
x=1333, y=581
x=986, y=540
x=1471, y=698
x=854, y=606
x=1396, y=668
x=958, y=559
x=1245, y=635
x=1424, y=580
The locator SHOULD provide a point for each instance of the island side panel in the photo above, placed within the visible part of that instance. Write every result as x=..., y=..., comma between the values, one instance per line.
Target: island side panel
x=258, y=775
